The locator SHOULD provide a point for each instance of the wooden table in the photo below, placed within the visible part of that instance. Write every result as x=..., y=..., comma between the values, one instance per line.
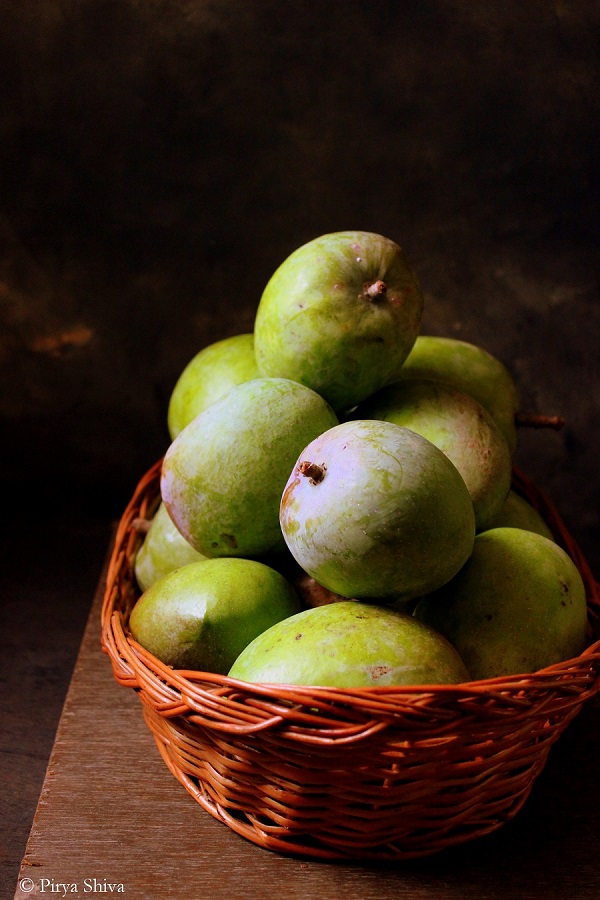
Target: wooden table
x=110, y=813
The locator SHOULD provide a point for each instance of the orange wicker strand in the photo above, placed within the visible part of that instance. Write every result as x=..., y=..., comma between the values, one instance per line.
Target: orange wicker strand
x=377, y=773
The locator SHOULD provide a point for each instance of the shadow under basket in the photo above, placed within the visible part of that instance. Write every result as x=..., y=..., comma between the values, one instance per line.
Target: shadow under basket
x=335, y=773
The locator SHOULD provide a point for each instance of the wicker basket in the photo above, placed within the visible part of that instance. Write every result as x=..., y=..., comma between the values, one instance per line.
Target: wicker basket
x=377, y=773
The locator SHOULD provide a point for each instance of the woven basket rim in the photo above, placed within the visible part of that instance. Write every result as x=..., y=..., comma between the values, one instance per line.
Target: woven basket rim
x=123, y=650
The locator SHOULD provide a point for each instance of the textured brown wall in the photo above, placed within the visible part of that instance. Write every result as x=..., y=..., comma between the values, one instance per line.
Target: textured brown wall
x=158, y=159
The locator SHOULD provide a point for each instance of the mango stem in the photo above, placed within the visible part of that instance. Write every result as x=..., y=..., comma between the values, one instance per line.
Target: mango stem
x=312, y=471
x=535, y=420
x=375, y=290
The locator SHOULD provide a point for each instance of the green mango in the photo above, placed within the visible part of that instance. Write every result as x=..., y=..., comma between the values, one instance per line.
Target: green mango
x=202, y=615
x=339, y=315
x=223, y=475
x=350, y=644
x=373, y=510
x=209, y=376
x=517, y=512
x=163, y=550
x=456, y=423
x=517, y=605
x=470, y=369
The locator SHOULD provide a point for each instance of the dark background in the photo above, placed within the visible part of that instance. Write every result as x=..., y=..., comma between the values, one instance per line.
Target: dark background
x=159, y=159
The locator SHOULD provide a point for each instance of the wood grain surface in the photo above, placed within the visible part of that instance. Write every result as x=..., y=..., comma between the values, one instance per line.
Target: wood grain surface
x=110, y=813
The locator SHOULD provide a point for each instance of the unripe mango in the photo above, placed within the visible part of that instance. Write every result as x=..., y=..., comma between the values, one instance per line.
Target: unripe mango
x=470, y=369
x=202, y=615
x=163, y=550
x=339, y=315
x=516, y=512
x=460, y=426
x=516, y=606
x=350, y=644
x=208, y=376
x=223, y=475
x=374, y=510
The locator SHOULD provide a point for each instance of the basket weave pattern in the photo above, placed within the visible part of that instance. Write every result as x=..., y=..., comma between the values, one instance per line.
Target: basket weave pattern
x=382, y=773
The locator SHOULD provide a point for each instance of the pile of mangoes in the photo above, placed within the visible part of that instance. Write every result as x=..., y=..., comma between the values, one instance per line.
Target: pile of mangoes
x=336, y=505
